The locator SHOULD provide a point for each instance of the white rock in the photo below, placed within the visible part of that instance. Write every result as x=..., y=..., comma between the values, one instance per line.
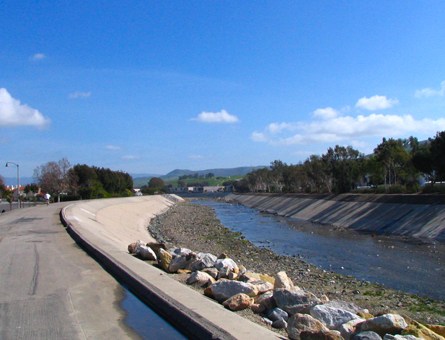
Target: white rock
x=294, y=300
x=227, y=264
x=179, y=251
x=145, y=253
x=332, y=317
x=387, y=323
x=224, y=289
x=303, y=322
x=283, y=281
x=203, y=260
x=400, y=337
x=349, y=328
x=179, y=262
x=199, y=278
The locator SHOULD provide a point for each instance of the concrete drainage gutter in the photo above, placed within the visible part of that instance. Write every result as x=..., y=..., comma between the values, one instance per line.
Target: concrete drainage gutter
x=188, y=311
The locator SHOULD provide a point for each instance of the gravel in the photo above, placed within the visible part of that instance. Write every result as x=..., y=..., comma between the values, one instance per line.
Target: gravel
x=197, y=228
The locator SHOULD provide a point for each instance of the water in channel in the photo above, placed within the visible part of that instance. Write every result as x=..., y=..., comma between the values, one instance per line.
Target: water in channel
x=413, y=267
x=145, y=322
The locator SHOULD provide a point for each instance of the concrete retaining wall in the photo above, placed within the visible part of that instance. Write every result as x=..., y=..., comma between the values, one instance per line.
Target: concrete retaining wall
x=104, y=228
x=407, y=215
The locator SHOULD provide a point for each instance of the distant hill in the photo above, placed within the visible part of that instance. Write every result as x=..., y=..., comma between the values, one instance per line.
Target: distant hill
x=240, y=171
x=142, y=179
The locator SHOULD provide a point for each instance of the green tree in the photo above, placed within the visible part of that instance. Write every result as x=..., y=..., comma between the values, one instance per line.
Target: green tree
x=155, y=185
x=2, y=186
x=438, y=156
x=394, y=157
x=319, y=174
x=346, y=167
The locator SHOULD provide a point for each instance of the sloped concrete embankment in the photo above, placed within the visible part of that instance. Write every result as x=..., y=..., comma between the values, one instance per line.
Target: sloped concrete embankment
x=405, y=215
x=104, y=228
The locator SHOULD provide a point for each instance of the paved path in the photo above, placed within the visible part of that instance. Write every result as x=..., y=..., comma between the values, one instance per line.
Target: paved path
x=49, y=287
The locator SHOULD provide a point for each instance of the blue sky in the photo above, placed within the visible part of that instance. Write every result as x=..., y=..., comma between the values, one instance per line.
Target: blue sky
x=151, y=86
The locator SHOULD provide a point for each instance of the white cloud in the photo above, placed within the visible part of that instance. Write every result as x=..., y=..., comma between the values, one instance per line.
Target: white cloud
x=14, y=113
x=38, y=56
x=326, y=113
x=77, y=94
x=376, y=103
x=279, y=127
x=429, y=92
x=216, y=117
x=130, y=157
x=259, y=137
x=113, y=147
x=351, y=129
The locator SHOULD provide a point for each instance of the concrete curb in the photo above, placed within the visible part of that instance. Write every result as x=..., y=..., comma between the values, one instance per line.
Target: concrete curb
x=185, y=320
x=190, y=322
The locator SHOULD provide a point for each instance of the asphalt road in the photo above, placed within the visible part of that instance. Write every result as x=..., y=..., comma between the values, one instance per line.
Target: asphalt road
x=49, y=287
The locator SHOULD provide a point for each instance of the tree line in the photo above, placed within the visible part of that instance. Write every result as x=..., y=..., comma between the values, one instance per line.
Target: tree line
x=396, y=165
x=81, y=181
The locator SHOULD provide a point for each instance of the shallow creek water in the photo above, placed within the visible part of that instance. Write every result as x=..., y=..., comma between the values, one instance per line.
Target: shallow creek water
x=144, y=321
x=410, y=266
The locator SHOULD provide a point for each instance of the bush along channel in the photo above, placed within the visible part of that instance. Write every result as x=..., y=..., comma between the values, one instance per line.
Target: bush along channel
x=279, y=292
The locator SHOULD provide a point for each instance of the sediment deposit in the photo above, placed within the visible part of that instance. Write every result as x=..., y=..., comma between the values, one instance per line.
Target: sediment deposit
x=196, y=227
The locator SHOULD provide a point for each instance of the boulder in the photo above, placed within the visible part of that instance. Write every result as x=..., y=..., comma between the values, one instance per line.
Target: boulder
x=366, y=335
x=262, y=286
x=213, y=272
x=181, y=262
x=350, y=328
x=266, y=300
x=180, y=251
x=238, y=302
x=303, y=322
x=277, y=313
x=145, y=253
x=200, y=278
x=251, y=276
x=242, y=269
x=257, y=308
x=133, y=246
x=294, y=300
x=401, y=337
x=332, y=317
x=279, y=324
x=321, y=335
x=283, y=281
x=350, y=307
x=387, y=323
x=224, y=289
x=226, y=265
x=267, y=321
x=156, y=247
x=203, y=260
x=231, y=275
x=164, y=259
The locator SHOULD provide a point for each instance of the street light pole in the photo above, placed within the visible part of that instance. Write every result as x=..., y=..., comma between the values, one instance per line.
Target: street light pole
x=18, y=181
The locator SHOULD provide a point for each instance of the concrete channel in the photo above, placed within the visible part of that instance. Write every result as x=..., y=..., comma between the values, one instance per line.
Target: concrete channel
x=104, y=228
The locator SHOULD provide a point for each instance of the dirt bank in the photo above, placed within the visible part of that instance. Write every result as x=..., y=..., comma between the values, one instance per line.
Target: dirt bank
x=196, y=227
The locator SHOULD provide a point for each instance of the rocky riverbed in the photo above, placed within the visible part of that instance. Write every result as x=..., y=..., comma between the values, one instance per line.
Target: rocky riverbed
x=196, y=227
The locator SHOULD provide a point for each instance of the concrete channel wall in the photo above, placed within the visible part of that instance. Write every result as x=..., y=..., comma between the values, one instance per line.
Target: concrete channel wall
x=104, y=228
x=407, y=215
